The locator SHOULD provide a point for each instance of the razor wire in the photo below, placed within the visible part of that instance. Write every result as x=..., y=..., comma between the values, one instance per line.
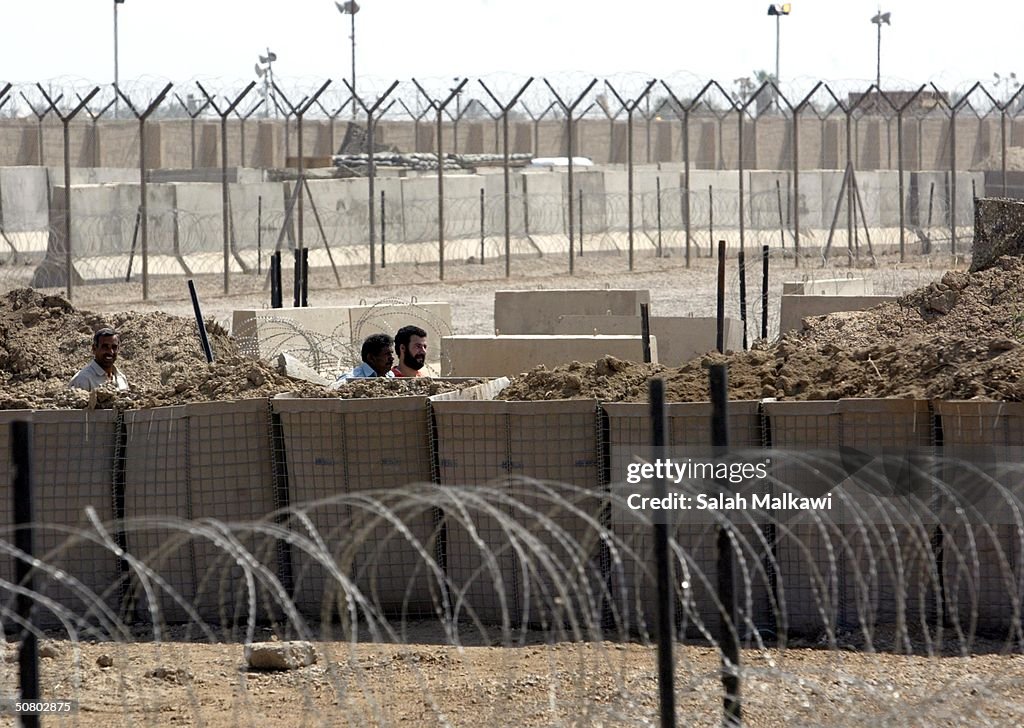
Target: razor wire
x=427, y=578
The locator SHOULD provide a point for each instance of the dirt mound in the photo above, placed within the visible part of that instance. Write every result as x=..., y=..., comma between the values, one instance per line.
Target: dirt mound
x=44, y=341
x=960, y=338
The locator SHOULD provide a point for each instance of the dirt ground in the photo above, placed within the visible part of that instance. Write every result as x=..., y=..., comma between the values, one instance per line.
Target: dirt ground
x=531, y=683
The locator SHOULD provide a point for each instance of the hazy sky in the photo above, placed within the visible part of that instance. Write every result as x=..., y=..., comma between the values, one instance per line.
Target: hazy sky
x=949, y=43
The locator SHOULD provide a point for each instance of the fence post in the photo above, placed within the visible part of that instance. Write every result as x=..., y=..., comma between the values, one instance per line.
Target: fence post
x=28, y=652
x=666, y=619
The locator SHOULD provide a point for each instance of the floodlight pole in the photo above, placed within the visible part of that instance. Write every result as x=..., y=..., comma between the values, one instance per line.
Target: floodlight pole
x=504, y=135
x=116, y=76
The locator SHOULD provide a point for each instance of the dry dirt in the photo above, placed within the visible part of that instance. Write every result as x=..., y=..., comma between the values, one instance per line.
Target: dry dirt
x=526, y=684
x=958, y=338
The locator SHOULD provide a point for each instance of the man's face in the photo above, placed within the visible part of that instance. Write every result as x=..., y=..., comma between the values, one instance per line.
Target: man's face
x=414, y=355
x=105, y=352
x=381, y=361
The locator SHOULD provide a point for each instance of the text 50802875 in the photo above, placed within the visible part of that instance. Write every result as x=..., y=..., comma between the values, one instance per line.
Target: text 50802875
x=37, y=707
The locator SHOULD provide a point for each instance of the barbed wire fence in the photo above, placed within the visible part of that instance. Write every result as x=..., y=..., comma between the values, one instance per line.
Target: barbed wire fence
x=707, y=128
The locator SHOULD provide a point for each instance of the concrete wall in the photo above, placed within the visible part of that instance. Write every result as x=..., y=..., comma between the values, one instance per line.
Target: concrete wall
x=794, y=309
x=535, y=312
x=507, y=355
x=680, y=338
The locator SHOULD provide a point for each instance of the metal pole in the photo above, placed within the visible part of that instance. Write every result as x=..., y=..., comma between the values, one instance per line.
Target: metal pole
x=657, y=186
x=371, y=174
x=720, y=307
x=645, y=331
x=259, y=235
x=952, y=181
x=711, y=220
x=764, y=291
x=353, y=61
x=899, y=172
x=69, y=270
x=1002, y=136
x=203, y=339
x=741, y=260
x=568, y=117
x=739, y=166
x=796, y=187
x=728, y=637
x=778, y=27
x=507, y=201
x=666, y=619
x=581, y=223
x=383, y=231
x=629, y=178
x=878, y=66
x=28, y=651
x=224, y=201
x=440, y=197
x=116, y=75
x=686, y=182
x=482, y=231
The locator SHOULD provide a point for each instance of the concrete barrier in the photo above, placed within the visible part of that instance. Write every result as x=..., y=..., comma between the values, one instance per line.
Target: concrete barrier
x=535, y=312
x=498, y=356
x=680, y=338
x=829, y=287
x=313, y=333
x=795, y=308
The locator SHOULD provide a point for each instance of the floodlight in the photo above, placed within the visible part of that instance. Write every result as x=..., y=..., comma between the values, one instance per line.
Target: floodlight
x=349, y=7
x=881, y=18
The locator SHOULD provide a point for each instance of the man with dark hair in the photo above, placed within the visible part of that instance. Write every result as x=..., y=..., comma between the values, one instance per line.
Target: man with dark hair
x=102, y=370
x=377, y=359
x=411, y=348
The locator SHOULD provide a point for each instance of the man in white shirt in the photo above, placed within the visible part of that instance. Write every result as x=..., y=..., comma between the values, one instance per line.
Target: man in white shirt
x=102, y=370
x=378, y=358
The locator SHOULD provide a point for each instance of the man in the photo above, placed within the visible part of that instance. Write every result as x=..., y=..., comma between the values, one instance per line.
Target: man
x=377, y=359
x=411, y=348
x=102, y=370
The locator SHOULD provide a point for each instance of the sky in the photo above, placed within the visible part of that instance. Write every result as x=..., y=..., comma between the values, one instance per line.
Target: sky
x=178, y=40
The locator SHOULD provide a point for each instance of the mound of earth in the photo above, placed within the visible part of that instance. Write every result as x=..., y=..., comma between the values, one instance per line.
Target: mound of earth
x=44, y=341
x=960, y=338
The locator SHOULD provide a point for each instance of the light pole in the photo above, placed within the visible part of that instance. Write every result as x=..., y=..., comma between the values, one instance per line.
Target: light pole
x=116, y=104
x=778, y=11
x=350, y=7
x=880, y=18
x=265, y=70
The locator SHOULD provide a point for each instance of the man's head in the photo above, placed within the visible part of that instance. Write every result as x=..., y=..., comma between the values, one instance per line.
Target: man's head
x=411, y=347
x=376, y=352
x=105, y=343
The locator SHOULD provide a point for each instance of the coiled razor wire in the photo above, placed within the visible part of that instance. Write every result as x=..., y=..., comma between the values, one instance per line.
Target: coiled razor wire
x=530, y=602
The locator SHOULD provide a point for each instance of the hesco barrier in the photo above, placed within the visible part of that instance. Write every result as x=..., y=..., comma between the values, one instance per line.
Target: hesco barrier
x=240, y=461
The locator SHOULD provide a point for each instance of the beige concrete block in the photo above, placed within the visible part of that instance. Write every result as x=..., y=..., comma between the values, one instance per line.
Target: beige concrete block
x=830, y=287
x=324, y=330
x=795, y=308
x=680, y=338
x=535, y=312
x=496, y=356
